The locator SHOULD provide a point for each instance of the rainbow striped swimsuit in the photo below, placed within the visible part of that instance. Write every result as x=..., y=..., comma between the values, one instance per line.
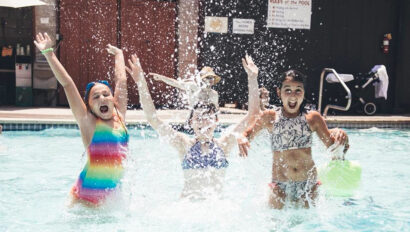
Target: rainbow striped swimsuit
x=104, y=168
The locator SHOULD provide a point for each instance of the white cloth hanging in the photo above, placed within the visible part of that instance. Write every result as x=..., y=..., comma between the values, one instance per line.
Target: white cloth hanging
x=383, y=84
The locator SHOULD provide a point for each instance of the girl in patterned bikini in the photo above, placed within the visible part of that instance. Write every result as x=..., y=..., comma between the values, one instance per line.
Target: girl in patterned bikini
x=101, y=121
x=203, y=157
x=294, y=175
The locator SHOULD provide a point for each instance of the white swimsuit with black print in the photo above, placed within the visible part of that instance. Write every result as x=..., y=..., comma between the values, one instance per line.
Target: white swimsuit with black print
x=290, y=133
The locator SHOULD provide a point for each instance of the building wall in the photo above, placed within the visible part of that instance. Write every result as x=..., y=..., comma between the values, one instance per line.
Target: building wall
x=146, y=28
x=45, y=19
x=344, y=35
x=187, y=37
x=157, y=36
x=45, y=88
x=87, y=27
x=402, y=97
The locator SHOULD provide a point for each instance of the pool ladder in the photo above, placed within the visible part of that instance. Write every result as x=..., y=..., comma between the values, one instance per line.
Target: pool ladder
x=349, y=94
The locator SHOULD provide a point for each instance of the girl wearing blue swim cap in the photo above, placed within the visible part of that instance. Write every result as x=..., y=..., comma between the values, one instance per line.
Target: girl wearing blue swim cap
x=294, y=175
x=100, y=119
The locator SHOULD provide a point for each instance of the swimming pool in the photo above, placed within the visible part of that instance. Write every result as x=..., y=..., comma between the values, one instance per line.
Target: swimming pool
x=37, y=170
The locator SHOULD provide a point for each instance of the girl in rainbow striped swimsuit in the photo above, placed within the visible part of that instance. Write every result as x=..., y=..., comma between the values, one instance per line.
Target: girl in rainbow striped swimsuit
x=101, y=121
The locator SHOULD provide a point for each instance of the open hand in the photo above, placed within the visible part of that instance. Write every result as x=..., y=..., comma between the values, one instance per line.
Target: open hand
x=244, y=145
x=340, y=137
x=250, y=67
x=43, y=41
x=113, y=50
x=135, y=69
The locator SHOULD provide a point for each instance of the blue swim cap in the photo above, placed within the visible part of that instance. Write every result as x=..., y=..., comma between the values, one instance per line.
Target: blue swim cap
x=91, y=84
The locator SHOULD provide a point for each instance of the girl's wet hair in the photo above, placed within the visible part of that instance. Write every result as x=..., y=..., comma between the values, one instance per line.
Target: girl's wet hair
x=295, y=75
x=209, y=108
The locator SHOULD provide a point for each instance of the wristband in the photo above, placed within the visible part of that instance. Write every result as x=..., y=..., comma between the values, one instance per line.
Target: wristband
x=47, y=50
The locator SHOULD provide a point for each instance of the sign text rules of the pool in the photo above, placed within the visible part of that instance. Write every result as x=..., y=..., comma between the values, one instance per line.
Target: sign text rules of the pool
x=289, y=14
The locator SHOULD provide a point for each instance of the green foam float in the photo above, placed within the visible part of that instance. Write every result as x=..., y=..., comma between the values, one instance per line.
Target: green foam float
x=340, y=178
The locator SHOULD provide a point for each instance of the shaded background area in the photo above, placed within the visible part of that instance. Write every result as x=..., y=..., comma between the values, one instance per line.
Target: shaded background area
x=169, y=36
x=15, y=27
x=344, y=35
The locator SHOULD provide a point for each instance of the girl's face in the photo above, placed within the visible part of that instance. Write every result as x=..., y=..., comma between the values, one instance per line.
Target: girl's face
x=209, y=81
x=101, y=101
x=204, y=123
x=292, y=94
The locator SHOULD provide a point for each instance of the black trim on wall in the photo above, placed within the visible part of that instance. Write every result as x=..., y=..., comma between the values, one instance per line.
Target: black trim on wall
x=402, y=95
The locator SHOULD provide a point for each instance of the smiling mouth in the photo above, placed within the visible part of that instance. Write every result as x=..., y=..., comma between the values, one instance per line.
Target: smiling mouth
x=292, y=105
x=104, y=109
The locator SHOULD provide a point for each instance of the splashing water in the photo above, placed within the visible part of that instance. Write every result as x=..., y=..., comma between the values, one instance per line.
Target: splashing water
x=36, y=179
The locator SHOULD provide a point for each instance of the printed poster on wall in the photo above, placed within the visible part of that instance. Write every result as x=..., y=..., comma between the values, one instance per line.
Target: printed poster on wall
x=293, y=14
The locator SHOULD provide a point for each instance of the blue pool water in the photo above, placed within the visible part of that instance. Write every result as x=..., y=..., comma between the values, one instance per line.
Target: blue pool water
x=37, y=170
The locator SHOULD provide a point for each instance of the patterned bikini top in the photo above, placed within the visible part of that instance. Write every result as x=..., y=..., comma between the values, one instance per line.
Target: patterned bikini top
x=194, y=159
x=290, y=133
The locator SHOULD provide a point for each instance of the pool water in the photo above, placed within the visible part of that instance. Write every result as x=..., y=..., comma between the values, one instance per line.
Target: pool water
x=37, y=170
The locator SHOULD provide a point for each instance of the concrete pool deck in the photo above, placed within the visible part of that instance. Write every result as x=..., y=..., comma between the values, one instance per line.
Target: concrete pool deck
x=60, y=115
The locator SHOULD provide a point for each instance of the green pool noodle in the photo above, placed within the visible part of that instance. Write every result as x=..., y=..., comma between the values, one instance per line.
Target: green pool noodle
x=340, y=178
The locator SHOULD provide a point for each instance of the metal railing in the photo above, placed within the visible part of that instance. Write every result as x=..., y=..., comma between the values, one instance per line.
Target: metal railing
x=349, y=94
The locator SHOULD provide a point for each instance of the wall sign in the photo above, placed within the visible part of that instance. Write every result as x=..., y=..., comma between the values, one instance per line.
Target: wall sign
x=243, y=26
x=294, y=14
x=216, y=24
x=44, y=20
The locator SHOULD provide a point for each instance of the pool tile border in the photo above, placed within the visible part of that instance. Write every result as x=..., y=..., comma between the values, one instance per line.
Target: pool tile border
x=35, y=127
x=12, y=126
x=357, y=125
x=44, y=126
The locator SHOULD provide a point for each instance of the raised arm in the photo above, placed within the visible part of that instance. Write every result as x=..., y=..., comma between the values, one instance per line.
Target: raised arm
x=169, y=81
x=44, y=44
x=229, y=138
x=121, y=91
x=253, y=98
x=178, y=140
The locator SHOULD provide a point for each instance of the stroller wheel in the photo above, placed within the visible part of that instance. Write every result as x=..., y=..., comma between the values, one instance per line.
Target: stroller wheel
x=369, y=108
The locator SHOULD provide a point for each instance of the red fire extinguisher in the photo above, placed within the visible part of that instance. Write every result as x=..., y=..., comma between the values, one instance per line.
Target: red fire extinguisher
x=386, y=43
